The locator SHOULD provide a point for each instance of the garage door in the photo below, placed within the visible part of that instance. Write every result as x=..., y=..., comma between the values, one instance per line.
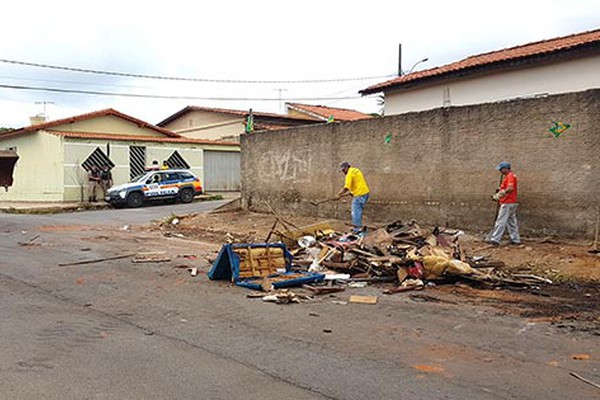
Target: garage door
x=221, y=171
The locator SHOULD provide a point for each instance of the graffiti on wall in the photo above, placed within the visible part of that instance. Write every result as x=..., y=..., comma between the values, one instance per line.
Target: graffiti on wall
x=288, y=166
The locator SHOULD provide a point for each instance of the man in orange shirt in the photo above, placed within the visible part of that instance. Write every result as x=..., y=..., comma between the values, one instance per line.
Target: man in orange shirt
x=507, y=214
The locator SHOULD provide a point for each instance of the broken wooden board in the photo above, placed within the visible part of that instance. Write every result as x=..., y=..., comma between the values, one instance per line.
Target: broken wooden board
x=153, y=257
x=318, y=229
x=319, y=290
x=364, y=299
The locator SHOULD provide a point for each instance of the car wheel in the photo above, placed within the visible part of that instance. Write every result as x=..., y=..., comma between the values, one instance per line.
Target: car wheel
x=135, y=199
x=186, y=195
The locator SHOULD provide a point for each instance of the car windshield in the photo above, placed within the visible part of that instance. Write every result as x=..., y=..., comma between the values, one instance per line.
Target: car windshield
x=140, y=178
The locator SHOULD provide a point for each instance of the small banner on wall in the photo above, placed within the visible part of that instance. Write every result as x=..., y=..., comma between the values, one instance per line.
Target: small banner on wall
x=558, y=128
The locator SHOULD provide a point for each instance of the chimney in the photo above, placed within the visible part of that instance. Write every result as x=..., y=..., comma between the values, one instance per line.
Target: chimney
x=37, y=119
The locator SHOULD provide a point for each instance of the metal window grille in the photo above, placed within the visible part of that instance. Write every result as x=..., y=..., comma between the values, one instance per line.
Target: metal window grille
x=97, y=158
x=176, y=161
x=137, y=161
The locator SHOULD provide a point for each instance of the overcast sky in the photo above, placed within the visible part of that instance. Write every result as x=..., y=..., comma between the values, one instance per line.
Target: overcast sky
x=249, y=40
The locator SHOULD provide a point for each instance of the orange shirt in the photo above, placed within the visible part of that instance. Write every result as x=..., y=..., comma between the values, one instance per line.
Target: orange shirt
x=509, y=180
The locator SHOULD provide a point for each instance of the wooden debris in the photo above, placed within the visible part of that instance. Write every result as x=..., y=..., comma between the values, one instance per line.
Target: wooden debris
x=151, y=257
x=97, y=260
x=594, y=384
x=364, y=299
x=321, y=290
x=30, y=242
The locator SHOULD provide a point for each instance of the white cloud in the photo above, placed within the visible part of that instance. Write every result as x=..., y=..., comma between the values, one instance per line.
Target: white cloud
x=271, y=40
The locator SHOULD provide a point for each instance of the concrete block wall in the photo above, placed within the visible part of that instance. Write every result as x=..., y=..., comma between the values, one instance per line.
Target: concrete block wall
x=438, y=166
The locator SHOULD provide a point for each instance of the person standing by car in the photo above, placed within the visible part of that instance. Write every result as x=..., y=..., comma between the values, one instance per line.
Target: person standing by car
x=355, y=185
x=164, y=165
x=153, y=167
x=106, y=180
x=94, y=184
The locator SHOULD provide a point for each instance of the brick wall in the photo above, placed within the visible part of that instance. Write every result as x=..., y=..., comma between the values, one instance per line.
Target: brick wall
x=438, y=167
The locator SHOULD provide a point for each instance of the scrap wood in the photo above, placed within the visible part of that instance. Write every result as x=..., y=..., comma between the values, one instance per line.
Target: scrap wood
x=401, y=289
x=486, y=264
x=272, y=230
x=594, y=384
x=534, y=277
x=97, y=260
x=407, y=285
x=285, y=296
x=364, y=253
x=280, y=218
x=151, y=257
x=390, y=259
x=319, y=290
x=339, y=265
x=364, y=299
x=30, y=242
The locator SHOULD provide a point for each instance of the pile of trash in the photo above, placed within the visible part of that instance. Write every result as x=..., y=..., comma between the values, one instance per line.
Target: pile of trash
x=321, y=260
x=404, y=253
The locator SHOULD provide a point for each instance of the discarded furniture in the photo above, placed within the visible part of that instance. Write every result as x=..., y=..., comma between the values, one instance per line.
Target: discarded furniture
x=259, y=266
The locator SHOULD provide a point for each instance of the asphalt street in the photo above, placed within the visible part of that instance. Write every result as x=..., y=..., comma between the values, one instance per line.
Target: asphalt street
x=119, y=330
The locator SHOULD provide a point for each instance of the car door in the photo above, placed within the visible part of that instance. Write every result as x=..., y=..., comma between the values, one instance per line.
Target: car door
x=169, y=184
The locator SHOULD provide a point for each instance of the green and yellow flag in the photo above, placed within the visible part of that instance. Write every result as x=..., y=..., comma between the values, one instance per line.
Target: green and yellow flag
x=250, y=123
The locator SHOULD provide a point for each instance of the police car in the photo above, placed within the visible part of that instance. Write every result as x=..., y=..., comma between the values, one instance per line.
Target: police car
x=177, y=184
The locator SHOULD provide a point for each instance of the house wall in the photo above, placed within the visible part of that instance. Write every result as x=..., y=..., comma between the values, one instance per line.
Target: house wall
x=207, y=125
x=439, y=165
x=38, y=175
x=77, y=150
x=567, y=76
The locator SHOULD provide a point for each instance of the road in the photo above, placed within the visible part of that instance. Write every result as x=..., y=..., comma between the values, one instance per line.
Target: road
x=119, y=330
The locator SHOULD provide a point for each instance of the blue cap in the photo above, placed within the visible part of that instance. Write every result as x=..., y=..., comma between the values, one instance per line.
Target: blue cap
x=503, y=164
x=344, y=165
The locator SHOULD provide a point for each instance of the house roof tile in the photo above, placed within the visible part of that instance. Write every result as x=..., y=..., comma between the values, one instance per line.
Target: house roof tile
x=136, y=138
x=240, y=113
x=324, y=112
x=493, y=58
x=91, y=115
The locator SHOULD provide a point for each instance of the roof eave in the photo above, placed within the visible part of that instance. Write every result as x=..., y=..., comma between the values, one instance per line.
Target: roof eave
x=515, y=63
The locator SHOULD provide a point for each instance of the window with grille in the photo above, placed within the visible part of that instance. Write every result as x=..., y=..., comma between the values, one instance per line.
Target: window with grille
x=176, y=161
x=137, y=161
x=98, y=159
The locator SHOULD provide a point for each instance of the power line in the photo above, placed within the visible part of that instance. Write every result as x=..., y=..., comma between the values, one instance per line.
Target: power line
x=152, y=96
x=68, y=82
x=173, y=78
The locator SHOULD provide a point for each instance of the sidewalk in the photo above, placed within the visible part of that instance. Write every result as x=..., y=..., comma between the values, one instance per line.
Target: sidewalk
x=24, y=207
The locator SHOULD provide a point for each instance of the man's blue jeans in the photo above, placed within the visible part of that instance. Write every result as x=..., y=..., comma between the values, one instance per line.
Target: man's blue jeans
x=358, y=203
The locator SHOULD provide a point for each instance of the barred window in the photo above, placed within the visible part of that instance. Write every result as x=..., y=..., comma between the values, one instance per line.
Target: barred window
x=98, y=159
x=176, y=161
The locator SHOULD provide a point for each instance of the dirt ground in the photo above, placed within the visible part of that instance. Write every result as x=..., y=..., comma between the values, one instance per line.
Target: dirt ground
x=572, y=302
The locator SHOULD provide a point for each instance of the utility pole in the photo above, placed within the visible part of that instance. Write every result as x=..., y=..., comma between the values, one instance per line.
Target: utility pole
x=400, y=59
x=280, y=90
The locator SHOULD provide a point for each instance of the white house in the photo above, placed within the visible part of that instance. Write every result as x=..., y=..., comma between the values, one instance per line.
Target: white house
x=554, y=66
x=55, y=156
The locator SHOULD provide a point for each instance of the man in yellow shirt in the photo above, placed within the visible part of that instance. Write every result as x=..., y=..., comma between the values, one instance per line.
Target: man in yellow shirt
x=355, y=185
